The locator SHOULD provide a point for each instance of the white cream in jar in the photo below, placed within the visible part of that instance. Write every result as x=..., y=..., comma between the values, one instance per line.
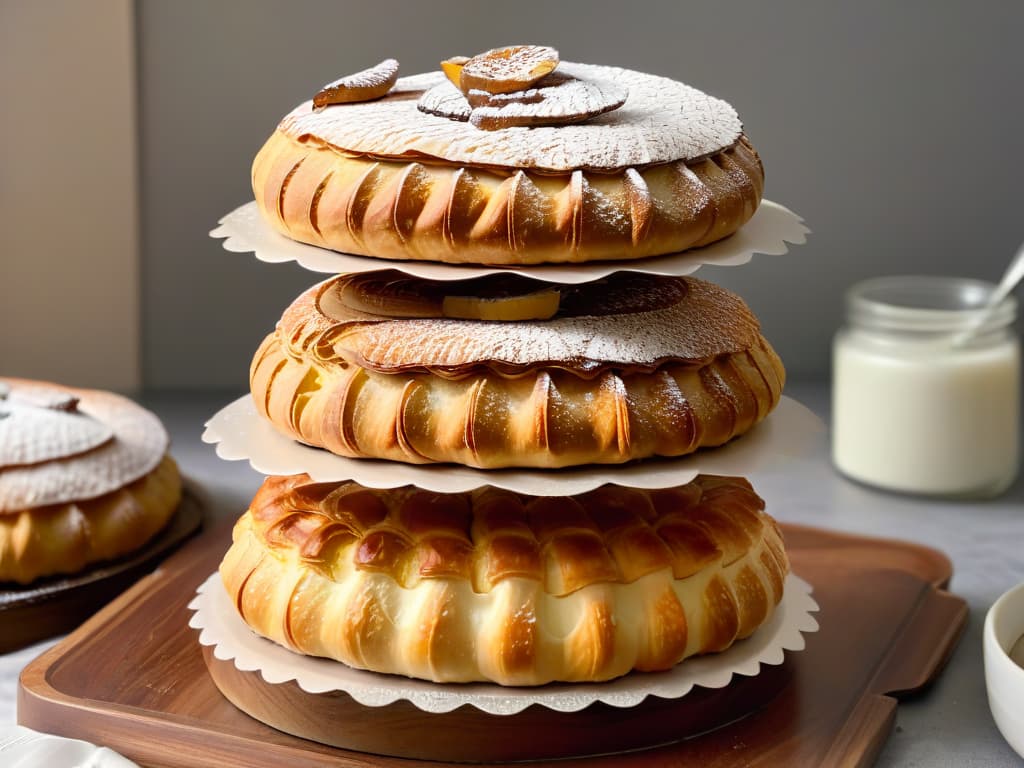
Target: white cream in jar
x=917, y=405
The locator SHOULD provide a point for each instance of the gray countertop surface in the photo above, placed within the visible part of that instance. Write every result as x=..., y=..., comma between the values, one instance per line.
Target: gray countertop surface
x=947, y=725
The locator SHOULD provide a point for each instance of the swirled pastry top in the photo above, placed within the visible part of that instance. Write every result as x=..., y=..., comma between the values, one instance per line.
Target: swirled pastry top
x=492, y=585
x=661, y=121
x=612, y=535
x=60, y=444
x=628, y=321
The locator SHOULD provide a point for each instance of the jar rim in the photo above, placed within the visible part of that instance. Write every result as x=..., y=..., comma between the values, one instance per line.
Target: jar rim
x=926, y=304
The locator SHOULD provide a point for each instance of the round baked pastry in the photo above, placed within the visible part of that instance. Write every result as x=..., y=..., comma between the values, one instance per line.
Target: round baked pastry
x=629, y=367
x=84, y=477
x=411, y=176
x=492, y=585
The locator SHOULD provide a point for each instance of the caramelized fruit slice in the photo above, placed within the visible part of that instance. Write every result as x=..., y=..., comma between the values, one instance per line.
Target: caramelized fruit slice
x=367, y=85
x=503, y=70
x=540, y=305
x=502, y=298
x=452, y=68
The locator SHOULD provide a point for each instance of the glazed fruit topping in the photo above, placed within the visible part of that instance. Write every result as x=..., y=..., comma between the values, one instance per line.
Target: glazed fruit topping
x=504, y=70
x=504, y=298
x=518, y=86
x=452, y=68
x=367, y=85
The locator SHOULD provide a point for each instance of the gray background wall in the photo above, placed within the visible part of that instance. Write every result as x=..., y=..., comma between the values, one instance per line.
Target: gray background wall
x=69, y=255
x=892, y=127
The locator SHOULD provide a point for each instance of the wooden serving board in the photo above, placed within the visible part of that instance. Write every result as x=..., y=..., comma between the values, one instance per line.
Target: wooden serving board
x=55, y=605
x=133, y=677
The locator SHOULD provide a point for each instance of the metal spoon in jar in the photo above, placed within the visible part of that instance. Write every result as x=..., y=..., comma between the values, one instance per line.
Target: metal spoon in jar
x=1013, y=275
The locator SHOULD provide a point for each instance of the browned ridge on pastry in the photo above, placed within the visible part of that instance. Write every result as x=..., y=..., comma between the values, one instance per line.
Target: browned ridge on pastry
x=670, y=170
x=679, y=366
x=427, y=211
x=493, y=585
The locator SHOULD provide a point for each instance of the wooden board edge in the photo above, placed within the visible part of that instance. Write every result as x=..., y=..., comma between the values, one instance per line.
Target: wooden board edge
x=928, y=563
x=34, y=674
x=929, y=636
x=938, y=614
x=139, y=738
x=864, y=734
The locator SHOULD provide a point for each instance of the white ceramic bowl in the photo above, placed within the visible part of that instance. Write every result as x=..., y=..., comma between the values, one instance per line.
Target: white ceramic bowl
x=1004, y=679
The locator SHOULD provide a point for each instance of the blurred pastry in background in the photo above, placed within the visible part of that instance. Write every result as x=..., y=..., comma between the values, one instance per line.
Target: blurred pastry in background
x=84, y=477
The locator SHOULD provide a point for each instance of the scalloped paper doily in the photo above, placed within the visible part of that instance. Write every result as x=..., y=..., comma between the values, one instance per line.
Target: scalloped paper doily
x=770, y=231
x=239, y=432
x=221, y=627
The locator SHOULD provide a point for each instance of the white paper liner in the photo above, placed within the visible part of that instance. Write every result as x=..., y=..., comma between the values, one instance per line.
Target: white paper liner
x=239, y=432
x=222, y=628
x=768, y=232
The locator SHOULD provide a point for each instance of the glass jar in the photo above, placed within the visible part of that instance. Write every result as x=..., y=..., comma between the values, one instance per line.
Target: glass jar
x=920, y=403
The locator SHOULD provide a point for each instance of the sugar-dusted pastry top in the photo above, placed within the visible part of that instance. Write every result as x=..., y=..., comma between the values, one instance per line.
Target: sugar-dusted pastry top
x=492, y=585
x=61, y=444
x=40, y=424
x=586, y=163
x=680, y=366
x=627, y=322
x=661, y=121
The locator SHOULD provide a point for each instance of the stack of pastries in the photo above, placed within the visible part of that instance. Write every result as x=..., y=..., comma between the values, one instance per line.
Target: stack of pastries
x=510, y=158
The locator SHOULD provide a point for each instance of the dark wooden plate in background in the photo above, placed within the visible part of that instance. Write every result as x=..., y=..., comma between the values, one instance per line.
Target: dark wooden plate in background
x=57, y=604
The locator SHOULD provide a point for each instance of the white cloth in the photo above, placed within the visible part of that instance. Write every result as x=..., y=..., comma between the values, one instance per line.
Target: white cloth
x=11, y=665
x=24, y=748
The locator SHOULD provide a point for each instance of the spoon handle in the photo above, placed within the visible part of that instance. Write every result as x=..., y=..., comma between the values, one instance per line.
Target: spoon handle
x=1013, y=275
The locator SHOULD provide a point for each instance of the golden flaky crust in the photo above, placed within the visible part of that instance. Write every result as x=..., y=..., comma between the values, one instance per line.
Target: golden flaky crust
x=492, y=585
x=693, y=373
x=65, y=538
x=316, y=193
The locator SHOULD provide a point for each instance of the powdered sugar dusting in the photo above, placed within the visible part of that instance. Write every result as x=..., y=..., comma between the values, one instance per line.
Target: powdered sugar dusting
x=509, y=69
x=371, y=83
x=703, y=321
x=565, y=100
x=661, y=121
x=138, y=444
x=477, y=98
x=445, y=100
x=368, y=78
x=30, y=434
